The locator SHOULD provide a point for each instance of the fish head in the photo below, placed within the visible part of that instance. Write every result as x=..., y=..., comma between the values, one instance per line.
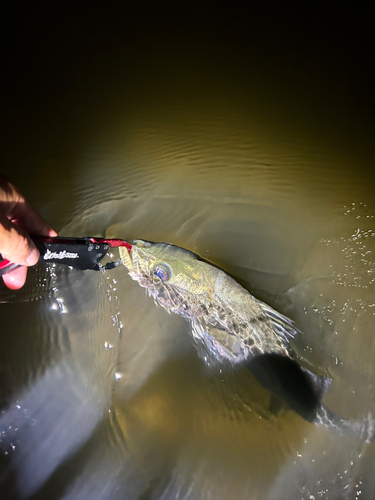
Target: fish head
x=175, y=277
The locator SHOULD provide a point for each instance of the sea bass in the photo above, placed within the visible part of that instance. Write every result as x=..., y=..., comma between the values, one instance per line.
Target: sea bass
x=235, y=325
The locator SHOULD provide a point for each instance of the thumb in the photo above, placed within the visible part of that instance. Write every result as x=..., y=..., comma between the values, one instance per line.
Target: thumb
x=16, y=245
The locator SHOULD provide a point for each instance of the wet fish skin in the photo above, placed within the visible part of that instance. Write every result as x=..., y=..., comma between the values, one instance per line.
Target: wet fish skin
x=233, y=323
x=240, y=326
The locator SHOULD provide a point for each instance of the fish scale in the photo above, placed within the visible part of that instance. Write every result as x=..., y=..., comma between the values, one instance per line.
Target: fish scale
x=206, y=296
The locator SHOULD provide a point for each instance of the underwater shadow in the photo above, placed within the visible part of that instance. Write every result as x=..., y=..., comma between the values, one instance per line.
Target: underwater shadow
x=286, y=380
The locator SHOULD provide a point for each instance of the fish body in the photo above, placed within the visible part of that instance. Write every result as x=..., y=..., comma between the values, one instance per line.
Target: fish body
x=223, y=314
x=232, y=323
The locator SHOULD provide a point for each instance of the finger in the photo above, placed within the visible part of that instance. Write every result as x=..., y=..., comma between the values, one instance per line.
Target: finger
x=15, y=279
x=29, y=219
x=18, y=210
x=15, y=244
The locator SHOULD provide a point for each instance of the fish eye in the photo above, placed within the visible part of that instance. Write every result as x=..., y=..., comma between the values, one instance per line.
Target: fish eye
x=163, y=272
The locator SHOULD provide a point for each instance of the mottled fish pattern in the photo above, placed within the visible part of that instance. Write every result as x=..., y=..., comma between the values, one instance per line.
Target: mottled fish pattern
x=224, y=316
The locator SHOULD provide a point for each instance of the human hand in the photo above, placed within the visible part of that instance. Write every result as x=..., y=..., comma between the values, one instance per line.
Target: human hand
x=17, y=219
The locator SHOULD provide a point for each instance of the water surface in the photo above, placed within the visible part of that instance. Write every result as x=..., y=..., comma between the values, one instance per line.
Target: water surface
x=262, y=165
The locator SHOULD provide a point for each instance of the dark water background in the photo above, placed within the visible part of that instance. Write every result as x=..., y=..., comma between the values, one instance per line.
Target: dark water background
x=247, y=137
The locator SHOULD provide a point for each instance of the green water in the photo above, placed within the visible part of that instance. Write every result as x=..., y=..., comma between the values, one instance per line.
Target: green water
x=245, y=144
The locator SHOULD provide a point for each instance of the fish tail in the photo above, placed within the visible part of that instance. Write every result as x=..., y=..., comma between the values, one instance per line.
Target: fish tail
x=319, y=383
x=301, y=389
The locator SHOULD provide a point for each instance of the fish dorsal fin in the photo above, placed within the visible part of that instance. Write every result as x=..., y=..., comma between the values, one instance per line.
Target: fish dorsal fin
x=282, y=325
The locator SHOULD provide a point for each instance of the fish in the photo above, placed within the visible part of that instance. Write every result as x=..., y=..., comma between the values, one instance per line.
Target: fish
x=233, y=324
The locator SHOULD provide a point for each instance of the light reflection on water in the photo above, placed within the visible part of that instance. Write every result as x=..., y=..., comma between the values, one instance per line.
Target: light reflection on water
x=126, y=377
x=108, y=393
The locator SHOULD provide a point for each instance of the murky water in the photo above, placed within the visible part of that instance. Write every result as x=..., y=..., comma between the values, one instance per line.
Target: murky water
x=261, y=164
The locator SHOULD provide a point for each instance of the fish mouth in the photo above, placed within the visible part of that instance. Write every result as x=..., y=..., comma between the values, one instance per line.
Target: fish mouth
x=126, y=258
x=137, y=262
